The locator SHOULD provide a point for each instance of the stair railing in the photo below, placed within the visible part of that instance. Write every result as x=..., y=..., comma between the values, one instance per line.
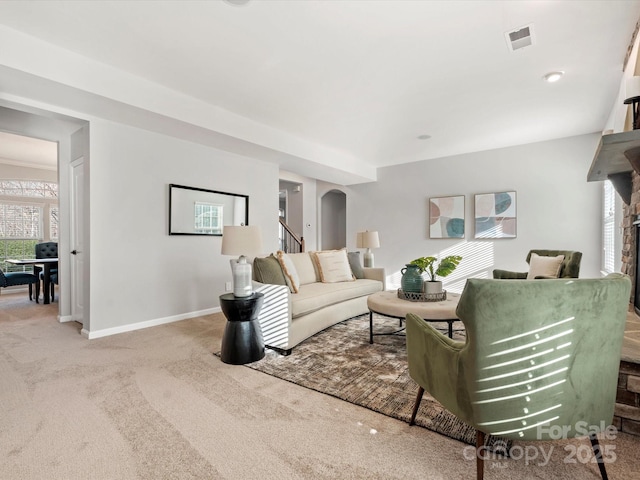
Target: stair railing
x=289, y=241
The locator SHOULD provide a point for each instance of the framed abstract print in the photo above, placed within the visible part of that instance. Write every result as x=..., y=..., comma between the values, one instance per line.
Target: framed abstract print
x=446, y=217
x=495, y=215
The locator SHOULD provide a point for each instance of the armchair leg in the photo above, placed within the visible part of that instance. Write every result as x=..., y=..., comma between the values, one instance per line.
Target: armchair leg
x=30, y=291
x=598, y=453
x=416, y=406
x=479, y=455
x=38, y=291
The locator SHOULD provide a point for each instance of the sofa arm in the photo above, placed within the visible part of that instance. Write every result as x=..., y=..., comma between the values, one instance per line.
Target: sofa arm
x=275, y=314
x=505, y=274
x=375, y=273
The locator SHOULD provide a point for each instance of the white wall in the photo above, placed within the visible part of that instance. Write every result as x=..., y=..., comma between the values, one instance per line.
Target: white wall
x=556, y=207
x=138, y=272
x=309, y=207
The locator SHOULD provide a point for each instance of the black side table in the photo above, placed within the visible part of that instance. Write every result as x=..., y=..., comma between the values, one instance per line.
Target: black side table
x=242, y=340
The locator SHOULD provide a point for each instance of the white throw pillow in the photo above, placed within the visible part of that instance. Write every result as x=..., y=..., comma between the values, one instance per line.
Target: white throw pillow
x=289, y=270
x=306, y=267
x=333, y=266
x=544, y=266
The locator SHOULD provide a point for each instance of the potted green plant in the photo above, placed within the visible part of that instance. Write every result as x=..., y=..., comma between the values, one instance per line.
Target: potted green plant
x=435, y=269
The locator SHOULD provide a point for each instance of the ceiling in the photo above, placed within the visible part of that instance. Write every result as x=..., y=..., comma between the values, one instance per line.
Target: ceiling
x=28, y=152
x=364, y=78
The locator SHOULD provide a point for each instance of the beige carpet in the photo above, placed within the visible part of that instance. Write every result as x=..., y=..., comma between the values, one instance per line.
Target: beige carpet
x=341, y=362
x=156, y=404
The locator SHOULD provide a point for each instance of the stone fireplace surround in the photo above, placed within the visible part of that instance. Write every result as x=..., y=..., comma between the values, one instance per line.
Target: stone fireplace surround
x=627, y=411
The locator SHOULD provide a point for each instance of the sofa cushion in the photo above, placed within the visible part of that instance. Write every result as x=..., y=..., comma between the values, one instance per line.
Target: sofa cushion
x=540, y=266
x=268, y=270
x=315, y=296
x=289, y=270
x=305, y=267
x=333, y=266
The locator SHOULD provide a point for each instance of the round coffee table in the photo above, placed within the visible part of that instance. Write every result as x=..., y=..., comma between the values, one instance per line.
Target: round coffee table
x=388, y=304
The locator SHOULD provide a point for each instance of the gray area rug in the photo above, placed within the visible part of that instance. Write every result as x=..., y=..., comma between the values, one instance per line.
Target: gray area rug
x=339, y=361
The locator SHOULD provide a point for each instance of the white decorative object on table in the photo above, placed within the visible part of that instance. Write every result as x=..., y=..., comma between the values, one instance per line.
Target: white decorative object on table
x=241, y=240
x=368, y=240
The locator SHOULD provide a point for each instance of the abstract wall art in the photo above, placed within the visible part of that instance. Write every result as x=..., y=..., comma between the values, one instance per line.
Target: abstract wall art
x=446, y=217
x=495, y=215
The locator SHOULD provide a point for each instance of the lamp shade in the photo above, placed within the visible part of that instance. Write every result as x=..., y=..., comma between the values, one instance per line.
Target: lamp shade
x=367, y=240
x=241, y=240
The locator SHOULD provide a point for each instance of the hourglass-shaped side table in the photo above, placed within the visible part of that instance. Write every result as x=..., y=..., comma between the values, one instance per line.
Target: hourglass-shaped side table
x=242, y=339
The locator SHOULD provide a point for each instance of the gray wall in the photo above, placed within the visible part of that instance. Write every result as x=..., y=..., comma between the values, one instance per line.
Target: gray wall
x=138, y=272
x=556, y=207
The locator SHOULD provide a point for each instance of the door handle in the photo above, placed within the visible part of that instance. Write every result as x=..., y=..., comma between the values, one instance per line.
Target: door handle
x=75, y=252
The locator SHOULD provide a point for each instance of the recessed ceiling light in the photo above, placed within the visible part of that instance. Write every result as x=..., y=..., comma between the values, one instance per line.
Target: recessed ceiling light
x=552, y=77
x=236, y=3
x=424, y=137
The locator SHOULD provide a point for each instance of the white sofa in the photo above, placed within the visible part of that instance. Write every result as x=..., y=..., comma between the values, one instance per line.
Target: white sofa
x=288, y=318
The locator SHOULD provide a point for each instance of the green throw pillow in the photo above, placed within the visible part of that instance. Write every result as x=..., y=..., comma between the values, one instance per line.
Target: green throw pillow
x=356, y=266
x=268, y=270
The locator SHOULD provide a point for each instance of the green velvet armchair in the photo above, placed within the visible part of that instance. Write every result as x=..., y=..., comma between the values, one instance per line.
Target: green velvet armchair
x=570, y=267
x=537, y=355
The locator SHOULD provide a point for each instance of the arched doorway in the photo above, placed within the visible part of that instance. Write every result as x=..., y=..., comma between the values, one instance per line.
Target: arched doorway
x=333, y=210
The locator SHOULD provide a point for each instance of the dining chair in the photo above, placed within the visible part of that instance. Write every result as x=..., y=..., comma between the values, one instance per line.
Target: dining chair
x=10, y=279
x=45, y=250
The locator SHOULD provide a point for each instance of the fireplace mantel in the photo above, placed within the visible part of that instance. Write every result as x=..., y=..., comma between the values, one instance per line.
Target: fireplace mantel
x=617, y=156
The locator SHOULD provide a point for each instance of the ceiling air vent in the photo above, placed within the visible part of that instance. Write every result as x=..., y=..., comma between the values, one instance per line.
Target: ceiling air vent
x=520, y=37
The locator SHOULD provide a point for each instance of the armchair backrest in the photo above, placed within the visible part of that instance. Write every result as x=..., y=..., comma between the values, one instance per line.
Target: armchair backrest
x=542, y=353
x=47, y=250
x=570, y=267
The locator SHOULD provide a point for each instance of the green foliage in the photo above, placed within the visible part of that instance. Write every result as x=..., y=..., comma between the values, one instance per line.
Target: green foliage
x=428, y=264
x=16, y=249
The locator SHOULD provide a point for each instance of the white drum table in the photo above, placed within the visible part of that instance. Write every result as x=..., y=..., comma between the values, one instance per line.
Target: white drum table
x=388, y=304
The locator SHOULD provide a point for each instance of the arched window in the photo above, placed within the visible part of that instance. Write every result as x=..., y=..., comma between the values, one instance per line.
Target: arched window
x=28, y=215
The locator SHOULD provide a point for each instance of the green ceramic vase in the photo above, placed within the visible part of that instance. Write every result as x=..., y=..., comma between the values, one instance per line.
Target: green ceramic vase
x=411, y=279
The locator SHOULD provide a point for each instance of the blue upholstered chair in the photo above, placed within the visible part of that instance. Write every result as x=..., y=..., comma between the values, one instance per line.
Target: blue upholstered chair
x=46, y=250
x=538, y=357
x=11, y=279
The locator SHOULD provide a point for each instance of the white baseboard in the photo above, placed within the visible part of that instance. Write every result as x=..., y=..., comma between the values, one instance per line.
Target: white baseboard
x=146, y=324
x=65, y=318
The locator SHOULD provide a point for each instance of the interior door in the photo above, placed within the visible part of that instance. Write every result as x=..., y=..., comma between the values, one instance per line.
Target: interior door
x=77, y=243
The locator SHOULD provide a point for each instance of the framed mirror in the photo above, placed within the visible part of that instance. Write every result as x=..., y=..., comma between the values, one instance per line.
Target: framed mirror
x=197, y=211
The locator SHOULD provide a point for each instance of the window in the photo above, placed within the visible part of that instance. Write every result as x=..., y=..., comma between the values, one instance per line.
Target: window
x=608, y=228
x=29, y=188
x=53, y=222
x=28, y=215
x=208, y=218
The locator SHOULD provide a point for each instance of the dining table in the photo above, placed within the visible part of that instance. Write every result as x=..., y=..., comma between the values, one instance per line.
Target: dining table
x=47, y=264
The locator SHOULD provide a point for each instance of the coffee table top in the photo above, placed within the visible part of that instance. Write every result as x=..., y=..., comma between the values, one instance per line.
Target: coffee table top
x=387, y=303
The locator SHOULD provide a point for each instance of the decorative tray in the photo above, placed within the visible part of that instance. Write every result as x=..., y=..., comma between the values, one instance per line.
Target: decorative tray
x=422, y=297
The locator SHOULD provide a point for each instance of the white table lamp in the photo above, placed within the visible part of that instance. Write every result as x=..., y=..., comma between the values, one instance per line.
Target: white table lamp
x=368, y=240
x=241, y=240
